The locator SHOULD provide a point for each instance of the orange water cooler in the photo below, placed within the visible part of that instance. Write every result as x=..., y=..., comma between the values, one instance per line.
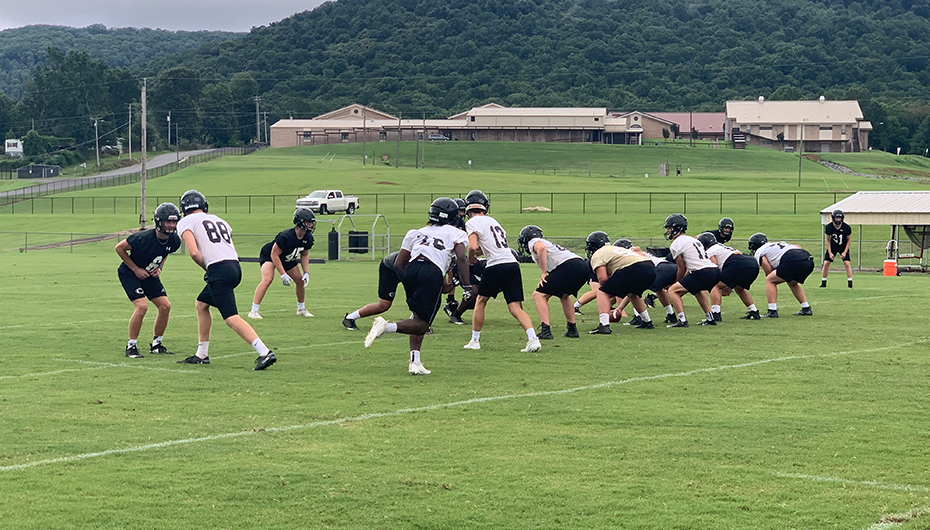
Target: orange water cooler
x=891, y=267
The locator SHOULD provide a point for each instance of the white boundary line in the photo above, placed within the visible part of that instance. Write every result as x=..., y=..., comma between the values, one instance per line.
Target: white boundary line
x=438, y=406
x=119, y=365
x=870, y=483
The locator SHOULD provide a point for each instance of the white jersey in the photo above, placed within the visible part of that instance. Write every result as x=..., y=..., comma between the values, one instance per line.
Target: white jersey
x=213, y=236
x=435, y=243
x=656, y=260
x=491, y=238
x=721, y=252
x=773, y=251
x=555, y=255
x=692, y=251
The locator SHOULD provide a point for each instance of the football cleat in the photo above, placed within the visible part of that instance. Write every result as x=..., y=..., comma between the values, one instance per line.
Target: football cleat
x=304, y=313
x=751, y=315
x=160, y=349
x=418, y=369
x=578, y=311
x=670, y=318
x=823, y=283
x=377, y=329
x=717, y=317
x=451, y=307
x=349, y=323
x=193, y=359
x=850, y=283
x=265, y=361
x=571, y=331
x=708, y=322
x=255, y=315
x=650, y=300
x=472, y=345
x=805, y=312
x=532, y=345
x=601, y=329
x=545, y=333
x=454, y=319
x=678, y=324
x=635, y=322
x=772, y=313
x=133, y=352
x=646, y=325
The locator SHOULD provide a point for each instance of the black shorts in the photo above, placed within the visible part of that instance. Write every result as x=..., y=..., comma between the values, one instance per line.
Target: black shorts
x=387, y=282
x=222, y=278
x=423, y=285
x=504, y=278
x=795, y=266
x=592, y=276
x=136, y=288
x=739, y=270
x=264, y=256
x=826, y=255
x=565, y=279
x=632, y=280
x=666, y=274
x=701, y=280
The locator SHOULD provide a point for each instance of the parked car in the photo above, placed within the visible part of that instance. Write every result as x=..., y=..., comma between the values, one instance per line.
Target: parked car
x=329, y=201
x=439, y=137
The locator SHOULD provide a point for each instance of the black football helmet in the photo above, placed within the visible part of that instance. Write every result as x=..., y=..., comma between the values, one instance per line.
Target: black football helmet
x=304, y=218
x=675, y=224
x=166, y=211
x=595, y=241
x=477, y=200
x=840, y=214
x=527, y=234
x=707, y=239
x=460, y=202
x=193, y=200
x=723, y=225
x=443, y=211
x=623, y=243
x=756, y=241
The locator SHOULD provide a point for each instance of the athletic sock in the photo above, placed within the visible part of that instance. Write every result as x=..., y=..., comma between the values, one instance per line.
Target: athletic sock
x=669, y=310
x=255, y=307
x=604, y=319
x=635, y=312
x=531, y=333
x=354, y=315
x=682, y=317
x=715, y=309
x=131, y=343
x=645, y=316
x=260, y=347
x=710, y=315
x=415, y=356
x=773, y=307
x=752, y=307
x=300, y=305
x=156, y=340
x=805, y=305
x=577, y=305
x=475, y=335
x=390, y=327
x=203, y=349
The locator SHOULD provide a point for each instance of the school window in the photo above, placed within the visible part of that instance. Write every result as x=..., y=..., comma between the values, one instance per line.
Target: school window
x=345, y=136
x=382, y=135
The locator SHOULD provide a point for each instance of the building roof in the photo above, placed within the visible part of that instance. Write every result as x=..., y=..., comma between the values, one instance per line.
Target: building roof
x=794, y=112
x=537, y=111
x=703, y=122
x=883, y=208
x=358, y=124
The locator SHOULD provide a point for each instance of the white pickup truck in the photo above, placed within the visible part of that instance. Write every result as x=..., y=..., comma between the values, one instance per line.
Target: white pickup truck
x=328, y=201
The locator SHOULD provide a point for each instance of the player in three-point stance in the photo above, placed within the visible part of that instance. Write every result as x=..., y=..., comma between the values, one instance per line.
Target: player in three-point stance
x=289, y=249
x=696, y=274
x=737, y=273
x=837, y=234
x=144, y=254
x=782, y=263
x=209, y=243
x=501, y=274
x=623, y=273
x=424, y=257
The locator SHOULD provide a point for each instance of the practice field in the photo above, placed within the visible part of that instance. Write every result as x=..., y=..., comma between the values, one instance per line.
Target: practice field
x=796, y=423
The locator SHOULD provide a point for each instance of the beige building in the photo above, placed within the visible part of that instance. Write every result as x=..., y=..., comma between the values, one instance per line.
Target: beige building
x=810, y=126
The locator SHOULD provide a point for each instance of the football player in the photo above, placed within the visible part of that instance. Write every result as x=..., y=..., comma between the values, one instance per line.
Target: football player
x=563, y=274
x=144, y=254
x=696, y=273
x=837, y=234
x=209, y=242
x=782, y=263
x=724, y=230
x=288, y=250
x=666, y=273
x=425, y=256
x=624, y=273
x=592, y=243
x=451, y=303
x=737, y=272
x=388, y=280
x=501, y=274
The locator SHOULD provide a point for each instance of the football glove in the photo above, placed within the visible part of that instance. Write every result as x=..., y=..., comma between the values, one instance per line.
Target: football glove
x=286, y=280
x=466, y=293
x=306, y=279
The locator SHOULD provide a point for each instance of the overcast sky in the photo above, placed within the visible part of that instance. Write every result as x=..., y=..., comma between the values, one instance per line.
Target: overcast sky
x=191, y=15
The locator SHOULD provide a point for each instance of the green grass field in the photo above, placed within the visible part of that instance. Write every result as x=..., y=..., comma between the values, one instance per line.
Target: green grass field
x=802, y=423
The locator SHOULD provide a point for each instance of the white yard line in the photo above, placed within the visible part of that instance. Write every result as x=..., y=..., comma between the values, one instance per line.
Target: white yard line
x=120, y=365
x=438, y=406
x=869, y=483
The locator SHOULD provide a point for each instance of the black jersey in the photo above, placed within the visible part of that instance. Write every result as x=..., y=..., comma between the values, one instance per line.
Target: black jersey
x=291, y=246
x=838, y=236
x=721, y=237
x=147, y=251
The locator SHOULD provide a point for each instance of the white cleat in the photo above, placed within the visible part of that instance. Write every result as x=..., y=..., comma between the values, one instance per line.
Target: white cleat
x=255, y=315
x=472, y=345
x=377, y=329
x=418, y=369
x=304, y=313
x=532, y=345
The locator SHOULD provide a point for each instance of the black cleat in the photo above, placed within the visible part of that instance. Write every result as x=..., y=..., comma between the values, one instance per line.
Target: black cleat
x=349, y=323
x=650, y=300
x=572, y=331
x=805, y=312
x=133, y=352
x=678, y=324
x=717, y=317
x=578, y=311
x=772, y=313
x=160, y=349
x=670, y=318
x=545, y=333
x=708, y=322
x=264, y=362
x=451, y=307
x=823, y=283
x=601, y=329
x=751, y=315
x=850, y=283
x=455, y=319
x=635, y=322
x=193, y=359
x=646, y=325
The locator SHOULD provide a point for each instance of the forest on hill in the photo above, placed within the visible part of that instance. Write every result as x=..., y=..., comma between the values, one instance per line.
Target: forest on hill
x=427, y=58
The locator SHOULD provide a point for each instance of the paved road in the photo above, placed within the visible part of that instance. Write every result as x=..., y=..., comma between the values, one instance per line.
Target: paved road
x=45, y=186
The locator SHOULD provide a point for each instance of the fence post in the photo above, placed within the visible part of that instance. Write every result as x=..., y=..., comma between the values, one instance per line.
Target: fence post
x=650, y=202
x=757, y=204
x=684, y=203
x=795, y=203
x=721, y=204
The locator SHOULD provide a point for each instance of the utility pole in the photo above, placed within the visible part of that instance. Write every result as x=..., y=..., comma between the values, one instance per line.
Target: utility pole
x=364, y=143
x=169, y=129
x=397, y=160
x=177, y=144
x=800, y=153
x=97, y=142
x=265, y=118
x=130, y=131
x=258, y=123
x=425, y=136
x=144, y=141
